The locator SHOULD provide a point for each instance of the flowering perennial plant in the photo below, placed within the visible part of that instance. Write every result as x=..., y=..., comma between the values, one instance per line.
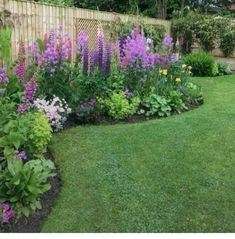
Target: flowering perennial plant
x=3, y=76
x=56, y=110
x=7, y=212
x=21, y=155
x=20, y=68
x=136, y=52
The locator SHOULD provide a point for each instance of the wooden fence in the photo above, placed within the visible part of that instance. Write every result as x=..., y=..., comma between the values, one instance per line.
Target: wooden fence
x=35, y=19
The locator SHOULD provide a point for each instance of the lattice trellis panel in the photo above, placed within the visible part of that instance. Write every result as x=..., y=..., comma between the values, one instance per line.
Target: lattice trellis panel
x=90, y=28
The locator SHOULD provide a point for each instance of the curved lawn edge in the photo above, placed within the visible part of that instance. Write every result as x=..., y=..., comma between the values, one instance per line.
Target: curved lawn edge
x=173, y=174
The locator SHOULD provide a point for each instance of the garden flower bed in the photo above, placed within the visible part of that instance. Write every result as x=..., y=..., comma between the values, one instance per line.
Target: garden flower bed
x=45, y=87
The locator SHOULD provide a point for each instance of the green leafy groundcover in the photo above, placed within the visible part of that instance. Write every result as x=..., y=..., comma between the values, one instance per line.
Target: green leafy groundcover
x=168, y=175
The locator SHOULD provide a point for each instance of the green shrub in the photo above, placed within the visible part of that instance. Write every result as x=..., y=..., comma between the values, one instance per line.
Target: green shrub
x=224, y=69
x=22, y=184
x=40, y=133
x=227, y=44
x=202, y=64
x=119, y=107
x=176, y=102
x=192, y=94
x=156, y=105
x=30, y=131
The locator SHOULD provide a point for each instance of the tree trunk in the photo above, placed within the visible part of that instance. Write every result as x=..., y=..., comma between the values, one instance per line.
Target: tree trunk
x=161, y=6
x=182, y=3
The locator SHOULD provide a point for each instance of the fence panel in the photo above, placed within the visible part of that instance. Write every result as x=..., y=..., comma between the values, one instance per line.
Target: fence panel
x=35, y=19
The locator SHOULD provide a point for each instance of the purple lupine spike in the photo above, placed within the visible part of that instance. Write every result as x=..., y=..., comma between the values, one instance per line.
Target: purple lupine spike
x=30, y=90
x=93, y=61
x=3, y=76
x=121, y=42
x=85, y=56
x=136, y=54
x=81, y=40
x=100, y=50
x=107, y=59
x=82, y=50
x=20, y=68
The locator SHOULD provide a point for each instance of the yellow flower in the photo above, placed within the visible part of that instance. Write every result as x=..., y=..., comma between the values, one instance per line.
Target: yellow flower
x=160, y=71
x=178, y=79
x=165, y=72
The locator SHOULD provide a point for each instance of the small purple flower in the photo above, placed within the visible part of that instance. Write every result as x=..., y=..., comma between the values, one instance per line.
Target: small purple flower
x=167, y=41
x=127, y=93
x=8, y=213
x=5, y=218
x=3, y=76
x=5, y=206
x=11, y=213
x=22, y=155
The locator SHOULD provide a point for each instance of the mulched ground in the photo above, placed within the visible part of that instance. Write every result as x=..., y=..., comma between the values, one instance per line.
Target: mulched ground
x=102, y=120
x=34, y=223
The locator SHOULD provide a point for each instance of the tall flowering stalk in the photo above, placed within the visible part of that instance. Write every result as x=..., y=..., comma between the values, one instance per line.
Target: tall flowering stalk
x=30, y=90
x=93, y=61
x=58, y=50
x=136, y=52
x=29, y=93
x=107, y=58
x=100, y=50
x=20, y=68
x=82, y=51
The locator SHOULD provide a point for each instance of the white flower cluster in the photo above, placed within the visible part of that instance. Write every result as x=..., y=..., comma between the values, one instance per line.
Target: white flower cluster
x=56, y=110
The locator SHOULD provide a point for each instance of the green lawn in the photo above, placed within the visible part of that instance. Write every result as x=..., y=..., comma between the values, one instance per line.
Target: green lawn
x=175, y=174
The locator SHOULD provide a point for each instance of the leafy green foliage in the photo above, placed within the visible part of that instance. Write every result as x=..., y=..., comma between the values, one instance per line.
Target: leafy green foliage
x=227, y=44
x=202, y=64
x=154, y=32
x=192, y=94
x=30, y=131
x=57, y=2
x=206, y=29
x=119, y=107
x=22, y=184
x=40, y=133
x=224, y=69
x=176, y=101
x=156, y=105
x=5, y=43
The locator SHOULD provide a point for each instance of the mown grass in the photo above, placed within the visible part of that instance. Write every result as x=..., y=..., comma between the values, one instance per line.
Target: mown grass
x=175, y=174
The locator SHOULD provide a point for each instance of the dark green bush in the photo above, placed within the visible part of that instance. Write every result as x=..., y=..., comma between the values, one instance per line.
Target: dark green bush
x=202, y=64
